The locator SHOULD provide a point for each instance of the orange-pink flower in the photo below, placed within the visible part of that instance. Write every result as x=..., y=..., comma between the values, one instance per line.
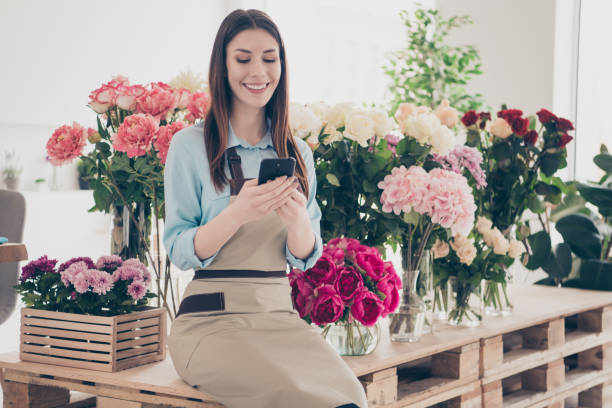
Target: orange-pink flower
x=158, y=102
x=164, y=136
x=197, y=106
x=66, y=143
x=135, y=135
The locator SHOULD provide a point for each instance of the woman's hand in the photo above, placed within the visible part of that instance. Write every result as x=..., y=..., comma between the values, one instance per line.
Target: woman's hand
x=293, y=212
x=254, y=202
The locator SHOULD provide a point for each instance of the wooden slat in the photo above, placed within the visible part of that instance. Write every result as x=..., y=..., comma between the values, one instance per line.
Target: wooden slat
x=105, y=320
x=69, y=354
x=137, y=333
x=156, y=312
x=70, y=326
x=85, y=345
x=137, y=350
x=138, y=342
x=58, y=361
x=69, y=334
x=152, y=321
x=432, y=391
x=12, y=252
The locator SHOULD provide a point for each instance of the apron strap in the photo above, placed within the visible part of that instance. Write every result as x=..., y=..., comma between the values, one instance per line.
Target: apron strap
x=234, y=161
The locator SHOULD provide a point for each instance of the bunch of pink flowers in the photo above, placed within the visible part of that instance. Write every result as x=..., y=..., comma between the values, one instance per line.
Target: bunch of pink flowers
x=464, y=158
x=443, y=195
x=349, y=282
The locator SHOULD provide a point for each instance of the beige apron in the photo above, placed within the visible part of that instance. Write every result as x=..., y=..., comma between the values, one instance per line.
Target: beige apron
x=248, y=347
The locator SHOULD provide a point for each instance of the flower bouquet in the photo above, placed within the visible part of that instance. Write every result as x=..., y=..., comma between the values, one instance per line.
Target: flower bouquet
x=346, y=292
x=125, y=169
x=89, y=315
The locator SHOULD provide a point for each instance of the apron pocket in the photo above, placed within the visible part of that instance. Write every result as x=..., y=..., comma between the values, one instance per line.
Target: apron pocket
x=202, y=302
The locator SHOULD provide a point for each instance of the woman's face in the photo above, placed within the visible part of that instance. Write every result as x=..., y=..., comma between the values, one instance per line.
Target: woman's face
x=253, y=67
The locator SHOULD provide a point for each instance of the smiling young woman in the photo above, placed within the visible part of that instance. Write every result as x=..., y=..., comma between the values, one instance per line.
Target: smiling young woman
x=236, y=336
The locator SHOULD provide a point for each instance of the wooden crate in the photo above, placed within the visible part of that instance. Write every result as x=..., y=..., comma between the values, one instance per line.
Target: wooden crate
x=105, y=343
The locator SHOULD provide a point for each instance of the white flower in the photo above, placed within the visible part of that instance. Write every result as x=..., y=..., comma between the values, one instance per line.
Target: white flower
x=440, y=249
x=516, y=248
x=320, y=109
x=442, y=141
x=483, y=224
x=333, y=135
x=496, y=240
x=421, y=127
x=463, y=247
x=359, y=127
x=304, y=123
x=383, y=124
x=193, y=82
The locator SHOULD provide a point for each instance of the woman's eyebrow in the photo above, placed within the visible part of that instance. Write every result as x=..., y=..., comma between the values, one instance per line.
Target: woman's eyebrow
x=249, y=52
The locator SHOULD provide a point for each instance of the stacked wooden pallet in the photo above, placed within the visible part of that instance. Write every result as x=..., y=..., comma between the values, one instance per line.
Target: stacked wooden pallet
x=557, y=344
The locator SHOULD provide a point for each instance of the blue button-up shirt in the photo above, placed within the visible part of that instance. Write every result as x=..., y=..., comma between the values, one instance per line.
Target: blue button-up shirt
x=191, y=199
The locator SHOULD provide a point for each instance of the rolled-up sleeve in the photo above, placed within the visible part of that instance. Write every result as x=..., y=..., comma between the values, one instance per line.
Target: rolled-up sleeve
x=182, y=191
x=314, y=212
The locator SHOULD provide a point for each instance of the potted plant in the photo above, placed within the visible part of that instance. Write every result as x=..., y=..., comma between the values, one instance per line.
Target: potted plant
x=11, y=170
x=83, y=170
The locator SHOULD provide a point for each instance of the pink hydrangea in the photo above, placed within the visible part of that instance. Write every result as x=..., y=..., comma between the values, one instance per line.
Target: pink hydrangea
x=164, y=136
x=197, y=106
x=135, y=135
x=158, y=102
x=66, y=143
x=441, y=194
x=137, y=289
x=464, y=157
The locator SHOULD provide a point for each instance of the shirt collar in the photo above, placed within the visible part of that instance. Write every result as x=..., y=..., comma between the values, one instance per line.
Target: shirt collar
x=264, y=143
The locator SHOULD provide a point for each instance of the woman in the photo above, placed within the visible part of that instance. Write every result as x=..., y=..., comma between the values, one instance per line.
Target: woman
x=237, y=337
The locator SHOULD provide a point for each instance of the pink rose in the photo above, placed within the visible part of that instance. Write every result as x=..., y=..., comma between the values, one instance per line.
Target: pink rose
x=389, y=285
x=197, y=106
x=404, y=110
x=128, y=95
x=327, y=306
x=164, y=136
x=500, y=128
x=335, y=253
x=158, y=102
x=103, y=98
x=367, y=307
x=183, y=98
x=66, y=143
x=135, y=135
x=348, y=283
x=324, y=271
x=371, y=263
x=302, y=295
x=448, y=116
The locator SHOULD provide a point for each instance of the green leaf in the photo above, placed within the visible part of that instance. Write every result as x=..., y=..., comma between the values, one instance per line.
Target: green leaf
x=540, y=248
x=601, y=197
x=546, y=189
x=581, y=234
x=559, y=263
x=604, y=162
x=550, y=164
x=596, y=274
x=332, y=179
x=411, y=218
x=501, y=151
x=572, y=203
x=369, y=187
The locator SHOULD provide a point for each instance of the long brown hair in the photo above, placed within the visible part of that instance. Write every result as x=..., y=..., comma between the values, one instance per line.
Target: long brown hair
x=216, y=124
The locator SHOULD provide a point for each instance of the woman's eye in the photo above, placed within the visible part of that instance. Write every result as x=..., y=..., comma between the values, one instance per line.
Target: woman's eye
x=242, y=61
x=269, y=60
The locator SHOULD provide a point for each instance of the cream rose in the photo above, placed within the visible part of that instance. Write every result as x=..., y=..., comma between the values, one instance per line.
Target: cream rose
x=483, y=224
x=516, y=249
x=448, y=116
x=304, y=123
x=500, y=128
x=500, y=243
x=383, y=124
x=463, y=247
x=359, y=127
x=421, y=127
x=333, y=135
x=440, y=249
x=404, y=110
x=442, y=141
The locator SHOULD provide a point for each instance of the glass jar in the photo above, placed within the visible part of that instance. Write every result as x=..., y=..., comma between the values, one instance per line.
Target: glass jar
x=352, y=339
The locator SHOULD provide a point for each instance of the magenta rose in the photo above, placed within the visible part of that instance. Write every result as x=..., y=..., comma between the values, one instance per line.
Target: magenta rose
x=66, y=143
x=348, y=283
x=371, y=263
x=389, y=286
x=164, y=136
x=335, y=253
x=135, y=135
x=158, y=102
x=324, y=271
x=367, y=307
x=327, y=307
x=301, y=295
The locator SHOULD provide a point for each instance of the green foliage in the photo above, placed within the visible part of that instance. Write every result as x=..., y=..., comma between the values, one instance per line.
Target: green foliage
x=428, y=70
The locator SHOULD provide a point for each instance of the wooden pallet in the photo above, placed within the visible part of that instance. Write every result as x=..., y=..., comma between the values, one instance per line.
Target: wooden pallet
x=10, y=252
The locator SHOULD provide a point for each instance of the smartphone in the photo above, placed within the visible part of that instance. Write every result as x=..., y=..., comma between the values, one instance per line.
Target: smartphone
x=269, y=169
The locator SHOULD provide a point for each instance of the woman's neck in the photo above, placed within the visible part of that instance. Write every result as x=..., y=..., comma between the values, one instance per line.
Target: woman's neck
x=248, y=123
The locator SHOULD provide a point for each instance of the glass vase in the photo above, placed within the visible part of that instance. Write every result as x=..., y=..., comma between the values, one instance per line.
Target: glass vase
x=442, y=299
x=406, y=324
x=497, y=297
x=352, y=339
x=466, y=303
x=425, y=289
x=130, y=225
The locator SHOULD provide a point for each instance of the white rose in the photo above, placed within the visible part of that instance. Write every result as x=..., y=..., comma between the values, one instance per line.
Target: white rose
x=467, y=253
x=333, y=135
x=421, y=127
x=304, y=123
x=483, y=224
x=442, y=141
x=515, y=249
x=500, y=243
x=359, y=127
x=440, y=249
x=320, y=109
x=383, y=124
x=337, y=114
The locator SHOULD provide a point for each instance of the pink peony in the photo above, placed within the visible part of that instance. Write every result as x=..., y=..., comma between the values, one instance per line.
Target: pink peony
x=135, y=135
x=327, y=306
x=197, y=106
x=158, y=102
x=302, y=295
x=164, y=136
x=389, y=285
x=66, y=143
x=371, y=263
x=137, y=289
x=348, y=283
x=182, y=97
x=335, y=253
x=367, y=307
x=322, y=272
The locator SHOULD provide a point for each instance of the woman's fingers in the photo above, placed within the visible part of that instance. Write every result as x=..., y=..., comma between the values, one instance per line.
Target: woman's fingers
x=283, y=197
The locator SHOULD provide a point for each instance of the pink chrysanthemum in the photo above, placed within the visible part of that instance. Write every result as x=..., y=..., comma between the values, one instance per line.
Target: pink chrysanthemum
x=137, y=289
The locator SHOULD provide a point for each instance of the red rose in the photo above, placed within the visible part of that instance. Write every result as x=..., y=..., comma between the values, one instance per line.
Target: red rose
x=520, y=126
x=483, y=117
x=531, y=137
x=371, y=263
x=469, y=118
x=327, y=306
x=565, y=139
x=389, y=286
x=564, y=125
x=510, y=114
x=348, y=283
x=367, y=307
x=545, y=116
x=324, y=271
